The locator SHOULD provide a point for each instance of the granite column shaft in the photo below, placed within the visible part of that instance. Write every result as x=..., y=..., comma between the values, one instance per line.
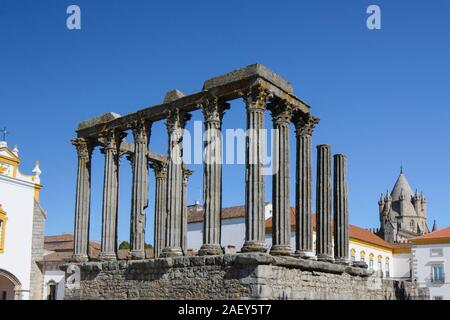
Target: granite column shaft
x=281, y=216
x=175, y=124
x=323, y=204
x=139, y=197
x=254, y=179
x=213, y=111
x=340, y=200
x=83, y=198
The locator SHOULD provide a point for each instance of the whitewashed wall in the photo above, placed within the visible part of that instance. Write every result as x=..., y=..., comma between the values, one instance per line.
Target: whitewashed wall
x=17, y=199
x=402, y=266
x=58, y=277
x=233, y=233
x=422, y=264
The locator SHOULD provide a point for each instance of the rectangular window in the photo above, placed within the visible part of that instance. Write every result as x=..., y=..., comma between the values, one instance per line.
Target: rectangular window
x=437, y=252
x=387, y=270
x=437, y=273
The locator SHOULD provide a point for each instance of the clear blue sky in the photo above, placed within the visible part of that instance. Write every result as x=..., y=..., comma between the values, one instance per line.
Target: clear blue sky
x=383, y=96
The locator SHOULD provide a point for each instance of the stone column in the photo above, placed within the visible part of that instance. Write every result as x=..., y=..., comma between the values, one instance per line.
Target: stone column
x=175, y=123
x=213, y=110
x=139, y=196
x=281, y=213
x=184, y=220
x=112, y=141
x=83, y=200
x=254, y=180
x=323, y=204
x=340, y=210
x=160, y=206
x=304, y=125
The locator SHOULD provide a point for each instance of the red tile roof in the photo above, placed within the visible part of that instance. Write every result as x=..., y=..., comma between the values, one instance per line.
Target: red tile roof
x=62, y=247
x=195, y=214
x=441, y=235
x=354, y=232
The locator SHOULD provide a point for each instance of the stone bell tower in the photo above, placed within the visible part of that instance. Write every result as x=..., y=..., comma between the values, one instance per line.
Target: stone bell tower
x=403, y=213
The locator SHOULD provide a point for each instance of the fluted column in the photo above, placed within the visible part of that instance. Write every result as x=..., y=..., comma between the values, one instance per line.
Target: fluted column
x=323, y=204
x=112, y=141
x=340, y=209
x=213, y=110
x=175, y=124
x=139, y=195
x=83, y=200
x=184, y=220
x=281, y=211
x=304, y=125
x=254, y=180
x=160, y=169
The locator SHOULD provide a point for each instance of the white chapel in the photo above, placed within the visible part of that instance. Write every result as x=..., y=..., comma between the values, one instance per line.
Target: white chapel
x=22, y=222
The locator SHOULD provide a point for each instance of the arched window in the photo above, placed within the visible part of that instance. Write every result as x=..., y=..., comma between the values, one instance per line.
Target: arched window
x=353, y=254
x=380, y=264
x=412, y=224
x=362, y=256
x=3, y=219
x=371, y=256
x=386, y=267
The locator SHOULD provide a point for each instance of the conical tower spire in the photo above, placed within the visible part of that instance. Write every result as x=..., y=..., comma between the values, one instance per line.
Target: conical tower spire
x=435, y=227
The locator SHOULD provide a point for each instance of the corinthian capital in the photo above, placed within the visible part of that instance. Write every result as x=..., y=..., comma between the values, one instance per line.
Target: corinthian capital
x=84, y=147
x=176, y=120
x=112, y=139
x=256, y=98
x=281, y=111
x=141, y=130
x=186, y=174
x=305, y=124
x=160, y=168
x=213, y=109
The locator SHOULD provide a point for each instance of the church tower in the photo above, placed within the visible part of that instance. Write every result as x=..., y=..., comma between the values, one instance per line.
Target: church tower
x=403, y=213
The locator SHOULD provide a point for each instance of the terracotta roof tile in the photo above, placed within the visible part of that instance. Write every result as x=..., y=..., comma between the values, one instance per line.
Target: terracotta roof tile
x=354, y=231
x=62, y=247
x=438, y=234
x=196, y=215
x=57, y=238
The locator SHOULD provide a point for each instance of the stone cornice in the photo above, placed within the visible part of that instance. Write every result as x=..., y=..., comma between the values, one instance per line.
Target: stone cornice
x=224, y=87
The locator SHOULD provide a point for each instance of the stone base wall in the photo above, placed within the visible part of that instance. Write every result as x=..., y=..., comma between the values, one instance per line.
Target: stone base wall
x=232, y=276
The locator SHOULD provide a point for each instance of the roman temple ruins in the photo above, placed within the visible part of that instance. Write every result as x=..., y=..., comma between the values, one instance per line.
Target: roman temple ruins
x=303, y=272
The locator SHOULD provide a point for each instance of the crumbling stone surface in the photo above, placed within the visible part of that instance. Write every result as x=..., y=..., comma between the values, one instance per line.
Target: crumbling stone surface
x=234, y=276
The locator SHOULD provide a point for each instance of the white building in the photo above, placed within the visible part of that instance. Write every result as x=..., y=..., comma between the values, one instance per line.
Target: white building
x=431, y=262
x=21, y=229
x=386, y=259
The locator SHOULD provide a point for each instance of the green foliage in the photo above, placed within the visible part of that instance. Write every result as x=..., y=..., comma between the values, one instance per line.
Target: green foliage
x=124, y=245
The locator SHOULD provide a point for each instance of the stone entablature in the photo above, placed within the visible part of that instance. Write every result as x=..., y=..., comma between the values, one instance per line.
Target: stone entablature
x=231, y=276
